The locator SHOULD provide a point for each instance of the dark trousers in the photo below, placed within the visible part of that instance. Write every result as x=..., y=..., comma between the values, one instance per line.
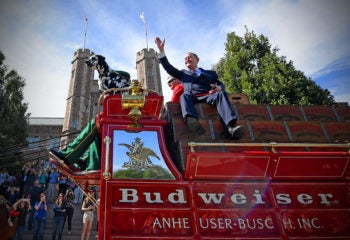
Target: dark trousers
x=62, y=188
x=69, y=216
x=30, y=218
x=39, y=227
x=87, y=145
x=57, y=226
x=19, y=232
x=218, y=99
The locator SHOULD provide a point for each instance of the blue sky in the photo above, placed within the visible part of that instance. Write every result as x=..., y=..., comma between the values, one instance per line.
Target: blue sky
x=39, y=37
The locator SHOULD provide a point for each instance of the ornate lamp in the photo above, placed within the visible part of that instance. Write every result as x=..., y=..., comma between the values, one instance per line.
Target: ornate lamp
x=134, y=100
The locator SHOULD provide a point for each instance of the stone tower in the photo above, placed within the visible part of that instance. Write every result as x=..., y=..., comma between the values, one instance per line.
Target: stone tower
x=83, y=93
x=82, y=96
x=148, y=72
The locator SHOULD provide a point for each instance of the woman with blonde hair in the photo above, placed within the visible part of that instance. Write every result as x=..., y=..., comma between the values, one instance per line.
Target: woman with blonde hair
x=88, y=208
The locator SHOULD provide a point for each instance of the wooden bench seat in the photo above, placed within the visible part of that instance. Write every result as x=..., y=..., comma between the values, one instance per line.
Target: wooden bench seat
x=265, y=125
x=286, y=113
x=251, y=112
x=306, y=132
x=338, y=131
x=343, y=113
x=319, y=113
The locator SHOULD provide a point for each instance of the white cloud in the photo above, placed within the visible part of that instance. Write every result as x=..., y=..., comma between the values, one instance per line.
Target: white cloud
x=307, y=32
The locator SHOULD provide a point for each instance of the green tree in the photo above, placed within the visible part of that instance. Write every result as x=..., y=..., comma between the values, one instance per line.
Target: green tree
x=13, y=116
x=155, y=172
x=251, y=66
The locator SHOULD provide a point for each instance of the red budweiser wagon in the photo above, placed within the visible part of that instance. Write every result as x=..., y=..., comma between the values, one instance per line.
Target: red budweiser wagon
x=288, y=178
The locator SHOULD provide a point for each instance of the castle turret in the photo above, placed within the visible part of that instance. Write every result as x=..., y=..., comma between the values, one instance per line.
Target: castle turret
x=82, y=95
x=148, y=72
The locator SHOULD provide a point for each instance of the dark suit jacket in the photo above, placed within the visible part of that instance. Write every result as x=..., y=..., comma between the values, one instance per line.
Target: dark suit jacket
x=190, y=81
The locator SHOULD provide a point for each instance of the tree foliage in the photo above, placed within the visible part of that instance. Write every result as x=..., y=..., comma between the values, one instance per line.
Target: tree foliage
x=155, y=172
x=13, y=116
x=251, y=66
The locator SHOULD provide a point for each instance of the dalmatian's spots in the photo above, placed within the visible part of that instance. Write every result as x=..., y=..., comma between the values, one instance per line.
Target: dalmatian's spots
x=108, y=78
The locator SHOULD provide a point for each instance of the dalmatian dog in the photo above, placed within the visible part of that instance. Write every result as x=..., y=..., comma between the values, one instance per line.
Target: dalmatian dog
x=108, y=78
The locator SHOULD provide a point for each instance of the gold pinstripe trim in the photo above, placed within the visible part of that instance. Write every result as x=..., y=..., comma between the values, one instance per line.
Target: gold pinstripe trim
x=92, y=130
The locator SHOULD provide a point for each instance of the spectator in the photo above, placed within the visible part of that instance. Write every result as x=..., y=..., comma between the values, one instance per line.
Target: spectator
x=11, y=178
x=69, y=198
x=22, y=179
x=12, y=194
x=34, y=197
x=22, y=207
x=43, y=179
x=78, y=195
x=88, y=215
x=19, y=179
x=40, y=207
x=53, y=181
x=70, y=183
x=59, y=209
x=29, y=182
x=62, y=184
x=3, y=175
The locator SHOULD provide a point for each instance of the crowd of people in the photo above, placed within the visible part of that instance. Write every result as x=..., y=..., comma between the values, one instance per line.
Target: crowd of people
x=31, y=195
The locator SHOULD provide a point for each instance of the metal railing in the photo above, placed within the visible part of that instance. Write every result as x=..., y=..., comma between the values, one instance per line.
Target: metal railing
x=272, y=145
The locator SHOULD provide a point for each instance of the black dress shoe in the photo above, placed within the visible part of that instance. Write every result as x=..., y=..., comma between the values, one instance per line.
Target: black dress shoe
x=194, y=126
x=237, y=132
x=60, y=156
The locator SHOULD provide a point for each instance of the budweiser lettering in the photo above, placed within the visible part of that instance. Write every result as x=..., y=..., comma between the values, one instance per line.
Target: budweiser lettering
x=234, y=209
x=131, y=195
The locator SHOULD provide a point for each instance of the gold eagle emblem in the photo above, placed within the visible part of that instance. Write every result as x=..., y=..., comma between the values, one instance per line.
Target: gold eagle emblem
x=139, y=156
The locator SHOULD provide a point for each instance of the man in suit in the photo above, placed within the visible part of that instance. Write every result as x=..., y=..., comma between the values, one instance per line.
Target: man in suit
x=200, y=86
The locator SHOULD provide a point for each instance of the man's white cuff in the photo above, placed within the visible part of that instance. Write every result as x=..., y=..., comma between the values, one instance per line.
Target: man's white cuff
x=161, y=55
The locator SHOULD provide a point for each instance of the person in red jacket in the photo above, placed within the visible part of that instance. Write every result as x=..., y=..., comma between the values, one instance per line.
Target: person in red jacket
x=177, y=88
